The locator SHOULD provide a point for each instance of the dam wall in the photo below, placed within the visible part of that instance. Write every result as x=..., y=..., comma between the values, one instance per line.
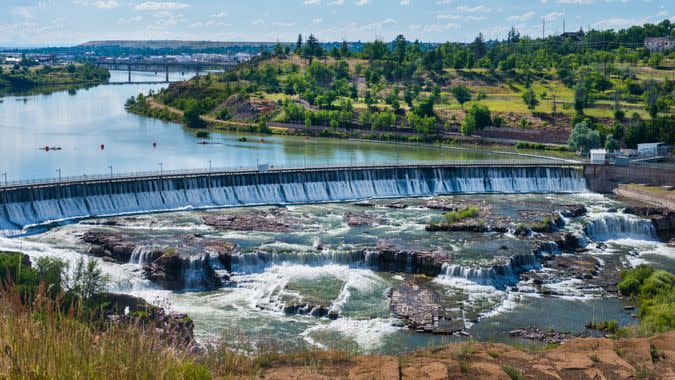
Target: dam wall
x=28, y=205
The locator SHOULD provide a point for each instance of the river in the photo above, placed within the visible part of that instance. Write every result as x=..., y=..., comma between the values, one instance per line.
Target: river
x=94, y=132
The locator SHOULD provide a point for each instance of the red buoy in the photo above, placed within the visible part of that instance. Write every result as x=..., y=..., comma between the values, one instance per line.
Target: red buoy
x=47, y=149
x=154, y=145
x=102, y=146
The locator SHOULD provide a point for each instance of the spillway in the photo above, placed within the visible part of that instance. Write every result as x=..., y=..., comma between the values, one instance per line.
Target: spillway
x=29, y=205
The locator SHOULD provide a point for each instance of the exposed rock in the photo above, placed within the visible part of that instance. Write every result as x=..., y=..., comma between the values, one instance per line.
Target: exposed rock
x=397, y=205
x=545, y=336
x=169, y=271
x=127, y=309
x=364, y=204
x=578, y=358
x=390, y=256
x=109, y=245
x=567, y=242
x=420, y=309
x=253, y=221
x=353, y=219
x=318, y=311
x=441, y=204
x=663, y=219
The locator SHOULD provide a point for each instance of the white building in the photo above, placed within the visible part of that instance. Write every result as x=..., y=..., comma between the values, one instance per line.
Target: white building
x=658, y=43
x=598, y=156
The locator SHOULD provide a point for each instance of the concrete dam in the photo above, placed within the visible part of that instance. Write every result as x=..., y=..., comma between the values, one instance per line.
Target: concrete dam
x=26, y=205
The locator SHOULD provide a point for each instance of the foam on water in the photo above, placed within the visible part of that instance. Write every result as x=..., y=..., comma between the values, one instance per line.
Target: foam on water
x=25, y=207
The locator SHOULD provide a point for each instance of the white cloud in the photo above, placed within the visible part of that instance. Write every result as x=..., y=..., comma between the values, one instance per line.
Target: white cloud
x=317, y=20
x=575, y=1
x=23, y=12
x=130, y=20
x=361, y=2
x=663, y=13
x=553, y=15
x=619, y=23
x=283, y=24
x=337, y=2
x=405, y=2
x=312, y=2
x=444, y=2
x=523, y=17
x=258, y=22
x=465, y=18
x=106, y=4
x=477, y=8
x=160, y=6
x=220, y=14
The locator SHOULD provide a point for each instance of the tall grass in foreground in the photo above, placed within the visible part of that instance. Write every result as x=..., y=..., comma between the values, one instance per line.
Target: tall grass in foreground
x=39, y=340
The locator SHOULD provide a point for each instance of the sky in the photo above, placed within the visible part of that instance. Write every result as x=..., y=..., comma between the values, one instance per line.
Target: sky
x=69, y=22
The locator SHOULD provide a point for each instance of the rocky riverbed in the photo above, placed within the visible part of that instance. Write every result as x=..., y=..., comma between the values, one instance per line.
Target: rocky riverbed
x=339, y=272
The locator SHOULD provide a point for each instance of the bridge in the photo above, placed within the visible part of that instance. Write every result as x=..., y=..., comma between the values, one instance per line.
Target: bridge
x=30, y=203
x=166, y=67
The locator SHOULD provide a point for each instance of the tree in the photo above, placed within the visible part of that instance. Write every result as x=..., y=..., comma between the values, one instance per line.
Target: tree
x=425, y=108
x=191, y=116
x=651, y=99
x=278, y=50
x=611, y=144
x=583, y=138
x=579, y=99
x=461, y=94
x=481, y=115
x=530, y=99
x=298, y=45
x=513, y=37
x=52, y=272
x=344, y=50
x=86, y=279
x=468, y=125
x=478, y=46
x=400, y=48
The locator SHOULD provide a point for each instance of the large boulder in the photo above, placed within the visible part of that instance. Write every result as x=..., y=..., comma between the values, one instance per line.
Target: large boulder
x=109, y=245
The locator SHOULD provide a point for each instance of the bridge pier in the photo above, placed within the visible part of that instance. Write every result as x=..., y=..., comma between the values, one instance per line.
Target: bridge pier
x=167, y=73
x=129, y=67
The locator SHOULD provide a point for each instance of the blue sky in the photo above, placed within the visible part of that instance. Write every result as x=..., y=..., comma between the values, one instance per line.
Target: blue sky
x=64, y=22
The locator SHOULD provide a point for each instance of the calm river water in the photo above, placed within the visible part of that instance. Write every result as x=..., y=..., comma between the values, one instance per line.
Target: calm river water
x=80, y=122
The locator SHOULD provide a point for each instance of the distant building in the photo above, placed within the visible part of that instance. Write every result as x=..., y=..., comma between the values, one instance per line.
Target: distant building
x=658, y=43
x=243, y=57
x=598, y=156
x=647, y=150
x=574, y=36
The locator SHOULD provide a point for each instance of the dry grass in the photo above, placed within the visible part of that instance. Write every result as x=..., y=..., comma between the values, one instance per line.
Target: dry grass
x=41, y=340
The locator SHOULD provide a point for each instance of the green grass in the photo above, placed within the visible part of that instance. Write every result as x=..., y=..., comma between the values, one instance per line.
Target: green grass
x=512, y=372
x=469, y=212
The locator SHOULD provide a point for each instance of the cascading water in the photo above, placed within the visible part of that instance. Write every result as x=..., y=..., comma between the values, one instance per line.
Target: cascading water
x=257, y=261
x=609, y=226
x=25, y=207
x=499, y=275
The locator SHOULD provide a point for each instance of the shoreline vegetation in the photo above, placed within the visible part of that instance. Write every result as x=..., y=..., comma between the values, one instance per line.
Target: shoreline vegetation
x=28, y=75
x=551, y=95
x=66, y=310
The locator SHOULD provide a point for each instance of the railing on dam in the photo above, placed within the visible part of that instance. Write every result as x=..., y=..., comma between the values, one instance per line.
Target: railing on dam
x=94, y=178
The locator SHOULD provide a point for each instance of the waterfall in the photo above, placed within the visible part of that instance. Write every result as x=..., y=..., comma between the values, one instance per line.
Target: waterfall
x=608, y=226
x=24, y=207
x=499, y=275
x=257, y=261
x=198, y=273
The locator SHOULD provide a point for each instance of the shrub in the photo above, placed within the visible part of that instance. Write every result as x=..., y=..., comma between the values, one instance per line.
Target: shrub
x=654, y=290
x=459, y=215
x=202, y=134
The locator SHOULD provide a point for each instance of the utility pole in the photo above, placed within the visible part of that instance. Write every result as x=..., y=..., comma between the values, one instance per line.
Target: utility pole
x=111, y=171
x=161, y=168
x=59, y=171
x=5, y=175
x=543, y=28
x=563, y=26
x=209, y=166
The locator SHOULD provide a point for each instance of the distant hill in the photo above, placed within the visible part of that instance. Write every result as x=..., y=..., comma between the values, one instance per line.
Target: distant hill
x=170, y=44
